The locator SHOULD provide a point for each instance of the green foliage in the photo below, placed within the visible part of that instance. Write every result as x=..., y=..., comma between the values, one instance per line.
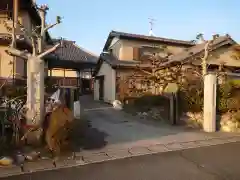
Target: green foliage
x=228, y=97
x=237, y=116
x=151, y=100
x=235, y=82
x=171, y=88
x=191, y=96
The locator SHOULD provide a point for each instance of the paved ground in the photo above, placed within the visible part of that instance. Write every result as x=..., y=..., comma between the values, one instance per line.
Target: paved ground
x=119, y=126
x=208, y=163
x=118, y=129
x=116, y=135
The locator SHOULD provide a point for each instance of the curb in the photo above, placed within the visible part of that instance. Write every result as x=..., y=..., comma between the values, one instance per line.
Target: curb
x=109, y=155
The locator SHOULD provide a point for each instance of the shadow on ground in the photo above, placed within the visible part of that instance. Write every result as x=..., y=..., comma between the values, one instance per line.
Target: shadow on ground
x=118, y=127
x=84, y=136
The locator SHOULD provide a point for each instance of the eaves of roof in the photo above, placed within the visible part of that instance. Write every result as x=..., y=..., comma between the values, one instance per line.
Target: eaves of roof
x=129, y=36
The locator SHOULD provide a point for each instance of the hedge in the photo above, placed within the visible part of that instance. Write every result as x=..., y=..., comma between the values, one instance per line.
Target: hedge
x=228, y=97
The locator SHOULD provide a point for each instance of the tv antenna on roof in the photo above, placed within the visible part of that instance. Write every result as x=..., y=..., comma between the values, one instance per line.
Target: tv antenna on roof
x=151, y=22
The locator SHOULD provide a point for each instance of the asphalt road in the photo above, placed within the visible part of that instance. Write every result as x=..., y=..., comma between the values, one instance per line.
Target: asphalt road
x=206, y=163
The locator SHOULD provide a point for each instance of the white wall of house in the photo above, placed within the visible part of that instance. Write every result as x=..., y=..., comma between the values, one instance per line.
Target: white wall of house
x=109, y=92
x=96, y=90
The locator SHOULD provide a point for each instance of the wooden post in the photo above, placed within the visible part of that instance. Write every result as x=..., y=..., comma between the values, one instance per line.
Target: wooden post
x=209, y=109
x=15, y=25
x=171, y=111
x=72, y=99
x=171, y=90
x=173, y=108
x=15, y=20
x=176, y=107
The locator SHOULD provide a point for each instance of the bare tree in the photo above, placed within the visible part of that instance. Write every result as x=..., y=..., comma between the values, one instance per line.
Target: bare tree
x=207, y=49
x=152, y=77
x=156, y=76
x=35, y=68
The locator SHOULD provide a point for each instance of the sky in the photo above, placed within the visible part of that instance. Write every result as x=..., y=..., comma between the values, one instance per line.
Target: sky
x=88, y=22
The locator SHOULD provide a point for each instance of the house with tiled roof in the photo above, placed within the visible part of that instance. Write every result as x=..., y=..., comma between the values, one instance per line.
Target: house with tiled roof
x=13, y=69
x=71, y=65
x=65, y=66
x=122, y=52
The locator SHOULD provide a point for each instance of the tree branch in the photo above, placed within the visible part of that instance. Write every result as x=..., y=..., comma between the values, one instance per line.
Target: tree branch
x=50, y=26
x=146, y=72
x=206, y=49
x=34, y=46
x=17, y=53
x=42, y=55
x=25, y=31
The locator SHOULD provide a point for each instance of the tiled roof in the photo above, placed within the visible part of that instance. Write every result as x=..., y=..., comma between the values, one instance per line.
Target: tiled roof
x=28, y=5
x=123, y=35
x=71, y=52
x=237, y=48
x=192, y=51
x=199, y=48
x=114, y=62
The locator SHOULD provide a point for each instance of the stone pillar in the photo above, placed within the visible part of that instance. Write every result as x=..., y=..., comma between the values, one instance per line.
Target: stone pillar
x=209, y=109
x=30, y=92
x=35, y=91
x=39, y=96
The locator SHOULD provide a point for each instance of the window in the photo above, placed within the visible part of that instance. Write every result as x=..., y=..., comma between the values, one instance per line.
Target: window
x=146, y=52
x=10, y=15
x=136, y=53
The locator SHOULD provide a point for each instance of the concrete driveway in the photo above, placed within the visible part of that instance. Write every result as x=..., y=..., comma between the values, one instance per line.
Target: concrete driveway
x=112, y=128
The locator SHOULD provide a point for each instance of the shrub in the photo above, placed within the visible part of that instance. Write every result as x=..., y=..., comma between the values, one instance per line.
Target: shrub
x=191, y=97
x=228, y=97
x=152, y=100
x=237, y=116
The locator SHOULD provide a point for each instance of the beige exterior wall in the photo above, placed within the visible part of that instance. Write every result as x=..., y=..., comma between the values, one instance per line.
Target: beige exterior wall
x=61, y=73
x=126, y=48
x=109, y=83
x=116, y=46
x=224, y=55
x=96, y=90
x=123, y=49
x=3, y=18
x=6, y=65
x=25, y=20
